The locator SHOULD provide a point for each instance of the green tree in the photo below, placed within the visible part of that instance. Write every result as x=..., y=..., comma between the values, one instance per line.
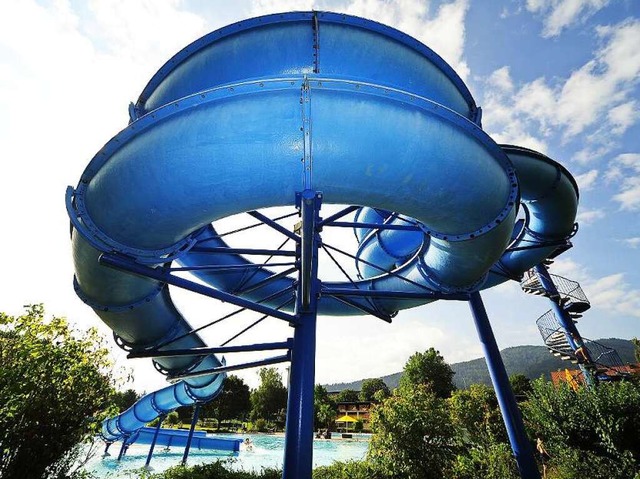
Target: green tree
x=270, y=398
x=123, y=400
x=325, y=414
x=480, y=430
x=428, y=368
x=320, y=394
x=234, y=402
x=380, y=395
x=475, y=414
x=358, y=426
x=55, y=384
x=173, y=419
x=413, y=435
x=520, y=385
x=325, y=408
x=370, y=387
x=347, y=395
x=636, y=346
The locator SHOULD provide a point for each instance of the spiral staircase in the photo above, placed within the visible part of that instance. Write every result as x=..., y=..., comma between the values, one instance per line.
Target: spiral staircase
x=561, y=336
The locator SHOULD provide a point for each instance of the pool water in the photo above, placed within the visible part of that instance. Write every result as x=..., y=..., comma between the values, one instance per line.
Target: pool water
x=267, y=451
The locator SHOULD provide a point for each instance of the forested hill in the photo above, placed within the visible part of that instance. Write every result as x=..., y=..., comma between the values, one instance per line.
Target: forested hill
x=532, y=361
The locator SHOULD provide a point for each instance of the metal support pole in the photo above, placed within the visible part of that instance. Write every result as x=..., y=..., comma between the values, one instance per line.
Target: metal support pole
x=298, y=457
x=510, y=413
x=566, y=322
x=194, y=420
x=153, y=442
x=123, y=448
x=106, y=449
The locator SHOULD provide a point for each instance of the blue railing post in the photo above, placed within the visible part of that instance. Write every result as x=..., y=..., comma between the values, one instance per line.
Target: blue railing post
x=298, y=458
x=153, y=442
x=510, y=413
x=194, y=420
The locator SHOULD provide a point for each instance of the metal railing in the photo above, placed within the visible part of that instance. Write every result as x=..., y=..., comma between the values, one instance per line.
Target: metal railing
x=569, y=290
x=598, y=354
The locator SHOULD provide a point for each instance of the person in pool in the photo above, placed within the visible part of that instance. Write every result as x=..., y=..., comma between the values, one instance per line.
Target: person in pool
x=248, y=444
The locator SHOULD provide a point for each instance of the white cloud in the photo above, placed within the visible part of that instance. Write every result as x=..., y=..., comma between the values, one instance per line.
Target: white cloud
x=632, y=242
x=611, y=293
x=65, y=81
x=443, y=31
x=265, y=7
x=133, y=28
x=501, y=119
x=587, y=217
x=587, y=180
x=561, y=14
x=625, y=172
x=604, y=82
x=629, y=197
x=623, y=116
x=594, y=99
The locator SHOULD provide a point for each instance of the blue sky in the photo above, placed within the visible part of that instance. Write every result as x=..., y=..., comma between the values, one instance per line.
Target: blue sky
x=561, y=77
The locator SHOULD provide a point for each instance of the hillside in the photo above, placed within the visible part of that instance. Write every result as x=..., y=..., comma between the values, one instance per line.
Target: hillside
x=532, y=361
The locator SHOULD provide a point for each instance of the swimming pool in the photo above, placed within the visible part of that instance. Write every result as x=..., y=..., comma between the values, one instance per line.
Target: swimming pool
x=268, y=451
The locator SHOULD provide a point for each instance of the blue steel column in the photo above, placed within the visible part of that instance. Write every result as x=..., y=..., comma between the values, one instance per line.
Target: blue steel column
x=510, y=413
x=567, y=324
x=123, y=448
x=194, y=420
x=106, y=449
x=153, y=442
x=298, y=456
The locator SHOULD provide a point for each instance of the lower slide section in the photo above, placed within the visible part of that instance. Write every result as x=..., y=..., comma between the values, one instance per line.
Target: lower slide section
x=156, y=404
x=179, y=437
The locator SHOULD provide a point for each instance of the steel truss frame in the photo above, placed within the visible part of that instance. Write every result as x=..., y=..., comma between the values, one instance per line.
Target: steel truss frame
x=300, y=350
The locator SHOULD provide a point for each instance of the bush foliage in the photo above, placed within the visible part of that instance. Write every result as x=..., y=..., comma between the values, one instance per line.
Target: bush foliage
x=55, y=385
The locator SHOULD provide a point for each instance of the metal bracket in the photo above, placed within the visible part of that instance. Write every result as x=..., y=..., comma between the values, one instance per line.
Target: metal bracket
x=128, y=264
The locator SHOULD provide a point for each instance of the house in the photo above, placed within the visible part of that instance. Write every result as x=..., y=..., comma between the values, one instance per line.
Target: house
x=358, y=410
x=575, y=377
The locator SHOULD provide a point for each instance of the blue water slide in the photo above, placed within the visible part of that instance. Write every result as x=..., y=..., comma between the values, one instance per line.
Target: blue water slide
x=251, y=114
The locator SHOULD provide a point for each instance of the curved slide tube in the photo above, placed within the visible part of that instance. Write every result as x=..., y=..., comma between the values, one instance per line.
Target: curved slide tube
x=249, y=115
x=549, y=197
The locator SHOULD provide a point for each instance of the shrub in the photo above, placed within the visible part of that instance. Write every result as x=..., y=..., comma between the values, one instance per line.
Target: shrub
x=349, y=470
x=215, y=470
x=414, y=437
x=493, y=462
x=591, y=432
